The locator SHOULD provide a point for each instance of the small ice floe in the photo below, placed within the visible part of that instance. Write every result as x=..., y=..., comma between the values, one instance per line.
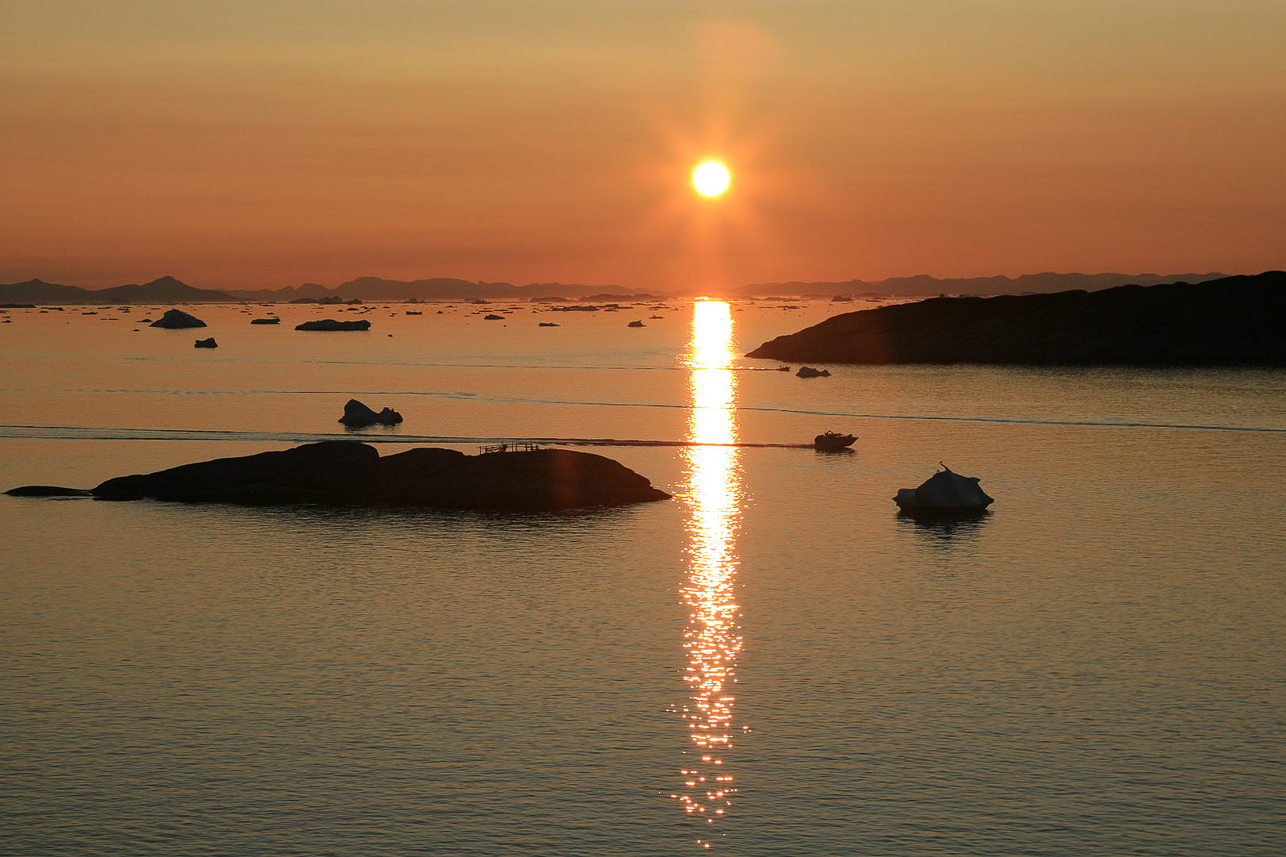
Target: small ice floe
x=331, y=324
x=944, y=493
x=810, y=372
x=357, y=415
x=176, y=319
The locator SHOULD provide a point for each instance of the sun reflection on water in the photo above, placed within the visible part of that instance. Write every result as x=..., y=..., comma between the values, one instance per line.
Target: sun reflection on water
x=712, y=639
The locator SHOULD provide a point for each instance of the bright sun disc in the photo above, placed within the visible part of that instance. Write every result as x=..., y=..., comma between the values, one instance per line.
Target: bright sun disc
x=711, y=178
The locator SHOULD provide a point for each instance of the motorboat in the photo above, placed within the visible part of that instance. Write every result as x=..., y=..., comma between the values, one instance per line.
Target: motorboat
x=833, y=440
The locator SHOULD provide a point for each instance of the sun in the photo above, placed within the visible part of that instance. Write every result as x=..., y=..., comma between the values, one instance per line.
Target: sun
x=711, y=178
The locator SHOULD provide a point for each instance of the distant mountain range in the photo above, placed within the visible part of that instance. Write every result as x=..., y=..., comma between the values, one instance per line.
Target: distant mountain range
x=171, y=290
x=432, y=289
x=926, y=285
x=164, y=290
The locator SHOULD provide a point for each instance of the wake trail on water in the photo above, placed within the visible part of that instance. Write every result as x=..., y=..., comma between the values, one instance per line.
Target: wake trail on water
x=535, y=367
x=531, y=400
x=392, y=436
x=97, y=433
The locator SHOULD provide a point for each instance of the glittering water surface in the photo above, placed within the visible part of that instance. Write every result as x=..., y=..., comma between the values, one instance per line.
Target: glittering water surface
x=772, y=663
x=712, y=638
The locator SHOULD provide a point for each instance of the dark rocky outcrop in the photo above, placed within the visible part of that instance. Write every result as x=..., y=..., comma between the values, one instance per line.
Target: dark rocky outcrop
x=491, y=316
x=268, y=320
x=177, y=319
x=331, y=324
x=344, y=473
x=810, y=372
x=635, y=324
x=47, y=491
x=357, y=415
x=205, y=343
x=1235, y=321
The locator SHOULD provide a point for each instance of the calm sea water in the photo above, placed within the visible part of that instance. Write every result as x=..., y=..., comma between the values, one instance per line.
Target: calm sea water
x=771, y=663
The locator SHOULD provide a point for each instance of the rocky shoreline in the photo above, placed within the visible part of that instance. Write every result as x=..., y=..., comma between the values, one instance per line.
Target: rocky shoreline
x=348, y=473
x=1235, y=321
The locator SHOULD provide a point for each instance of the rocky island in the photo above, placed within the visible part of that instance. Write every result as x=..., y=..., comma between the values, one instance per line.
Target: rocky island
x=346, y=473
x=1234, y=321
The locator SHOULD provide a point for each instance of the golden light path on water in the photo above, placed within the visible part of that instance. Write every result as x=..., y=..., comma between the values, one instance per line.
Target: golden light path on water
x=712, y=639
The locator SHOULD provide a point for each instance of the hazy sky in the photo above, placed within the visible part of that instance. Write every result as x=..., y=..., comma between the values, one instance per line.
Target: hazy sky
x=263, y=144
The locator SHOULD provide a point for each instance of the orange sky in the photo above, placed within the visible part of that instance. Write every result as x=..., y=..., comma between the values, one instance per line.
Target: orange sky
x=251, y=144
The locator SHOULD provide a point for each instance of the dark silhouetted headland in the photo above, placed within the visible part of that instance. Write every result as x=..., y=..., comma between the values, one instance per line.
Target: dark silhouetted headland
x=346, y=473
x=1235, y=321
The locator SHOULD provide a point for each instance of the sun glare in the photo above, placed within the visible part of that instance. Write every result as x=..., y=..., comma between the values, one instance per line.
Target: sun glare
x=711, y=178
x=713, y=638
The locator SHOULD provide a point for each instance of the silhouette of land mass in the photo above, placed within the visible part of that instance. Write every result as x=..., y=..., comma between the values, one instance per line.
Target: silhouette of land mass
x=347, y=473
x=923, y=284
x=162, y=290
x=1235, y=321
x=170, y=290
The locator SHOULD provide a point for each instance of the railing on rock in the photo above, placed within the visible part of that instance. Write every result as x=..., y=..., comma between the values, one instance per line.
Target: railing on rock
x=516, y=446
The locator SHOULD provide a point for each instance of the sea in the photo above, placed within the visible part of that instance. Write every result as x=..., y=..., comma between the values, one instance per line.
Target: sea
x=772, y=662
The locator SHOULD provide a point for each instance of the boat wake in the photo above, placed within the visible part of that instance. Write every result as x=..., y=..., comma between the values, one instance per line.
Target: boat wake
x=535, y=400
x=378, y=434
